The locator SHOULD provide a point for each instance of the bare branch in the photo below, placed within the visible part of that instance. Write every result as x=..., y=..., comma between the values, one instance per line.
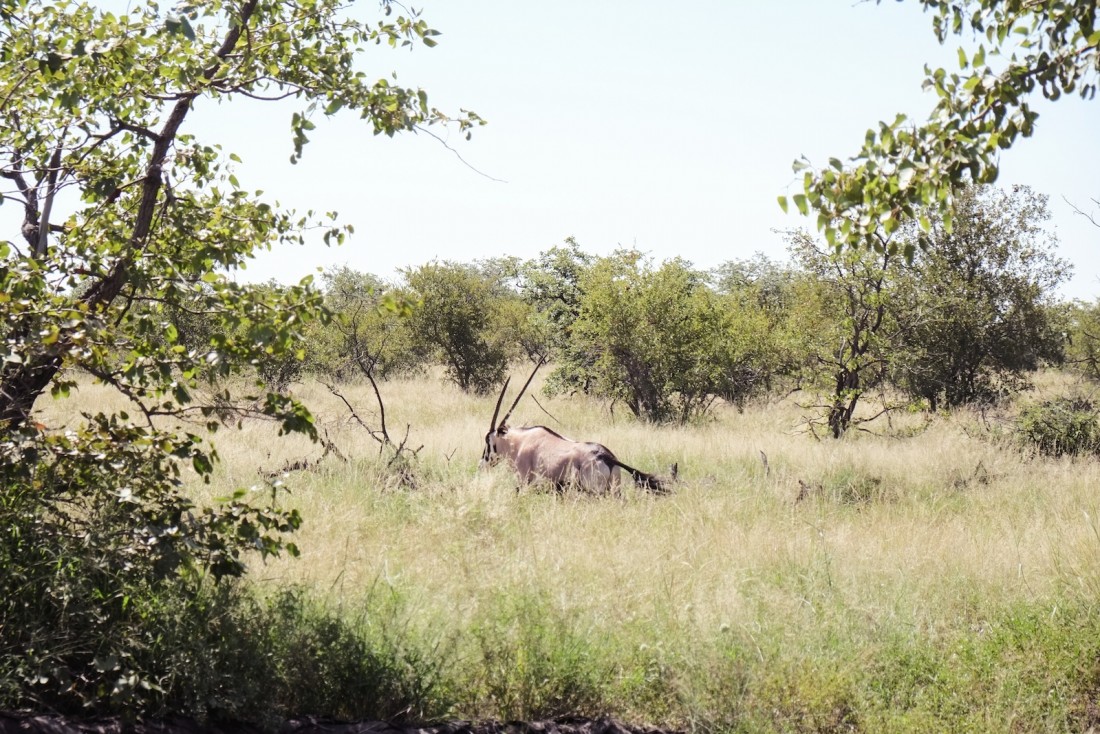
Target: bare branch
x=142, y=131
x=304, y=464
x=51, y=191
x=544, y=410
x=381, y=409
x=332, y=389
x=445, y=144
x=1091, y=217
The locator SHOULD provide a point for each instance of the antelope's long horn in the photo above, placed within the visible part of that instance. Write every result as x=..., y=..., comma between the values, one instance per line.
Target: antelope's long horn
x=523, y=390
x=493, y=423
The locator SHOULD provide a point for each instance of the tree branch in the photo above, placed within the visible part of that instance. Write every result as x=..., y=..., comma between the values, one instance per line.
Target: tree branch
x=1092, y=218
x=51, y=191
x=20, y=385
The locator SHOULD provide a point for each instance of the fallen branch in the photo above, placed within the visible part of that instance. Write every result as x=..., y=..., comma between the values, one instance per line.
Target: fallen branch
x=304, y=464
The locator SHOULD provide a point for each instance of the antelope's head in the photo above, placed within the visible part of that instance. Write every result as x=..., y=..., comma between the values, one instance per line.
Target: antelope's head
x=497, y=431
x=491, y=452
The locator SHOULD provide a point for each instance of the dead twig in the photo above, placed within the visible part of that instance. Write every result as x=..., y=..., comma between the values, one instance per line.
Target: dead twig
x=400, y=448
x=332, y=389
x=381, y=436
x=399, y=462
x=544, y=410
x=806, y=491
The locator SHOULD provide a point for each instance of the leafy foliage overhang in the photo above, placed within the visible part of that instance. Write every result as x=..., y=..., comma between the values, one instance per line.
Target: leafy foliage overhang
x=903, y=170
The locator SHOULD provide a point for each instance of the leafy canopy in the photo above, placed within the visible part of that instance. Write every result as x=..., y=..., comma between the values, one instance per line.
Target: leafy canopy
x=902, y=171
x=126, y=222
x=659, y=340
x=459, y=319
x=977, y=304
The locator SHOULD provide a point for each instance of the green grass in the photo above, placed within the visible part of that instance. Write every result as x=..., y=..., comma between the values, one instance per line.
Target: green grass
x=928, y=580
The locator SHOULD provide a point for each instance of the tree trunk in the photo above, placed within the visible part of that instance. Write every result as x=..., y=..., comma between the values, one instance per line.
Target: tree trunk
x=844, y=402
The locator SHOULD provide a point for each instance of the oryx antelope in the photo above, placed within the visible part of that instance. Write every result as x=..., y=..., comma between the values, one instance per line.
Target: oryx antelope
x=539, y=452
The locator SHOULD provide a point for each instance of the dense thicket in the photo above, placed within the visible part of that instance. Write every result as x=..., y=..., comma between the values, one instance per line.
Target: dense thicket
x=963, y=321
x=977, y=304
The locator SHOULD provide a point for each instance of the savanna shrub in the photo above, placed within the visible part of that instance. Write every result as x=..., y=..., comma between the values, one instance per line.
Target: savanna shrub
x=1061, y=426
x=95, y=533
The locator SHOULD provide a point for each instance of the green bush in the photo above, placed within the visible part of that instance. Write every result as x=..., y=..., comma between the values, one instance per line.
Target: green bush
x=659, y=340
x=1083, y=342
x=367, y=332
x=976, y=304
x=461, y=322
x=213, y=652
x=96, y=530
x=1061, y=426
x=229, y=655
x=530, y=661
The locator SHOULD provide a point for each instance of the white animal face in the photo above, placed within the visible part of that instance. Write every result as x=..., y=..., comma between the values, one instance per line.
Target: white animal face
x=491, y=454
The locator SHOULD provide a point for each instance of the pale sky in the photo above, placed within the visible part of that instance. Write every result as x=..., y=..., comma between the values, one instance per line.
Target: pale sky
x=669, y=128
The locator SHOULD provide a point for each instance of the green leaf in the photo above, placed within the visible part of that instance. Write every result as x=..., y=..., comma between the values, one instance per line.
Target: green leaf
x=783, y=203
x=800, y=202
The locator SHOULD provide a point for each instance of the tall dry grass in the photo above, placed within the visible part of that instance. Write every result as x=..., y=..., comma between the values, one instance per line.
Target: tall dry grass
x=786, y=583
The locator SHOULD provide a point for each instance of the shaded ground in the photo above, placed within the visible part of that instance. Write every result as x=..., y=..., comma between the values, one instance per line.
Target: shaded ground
x=48, y=724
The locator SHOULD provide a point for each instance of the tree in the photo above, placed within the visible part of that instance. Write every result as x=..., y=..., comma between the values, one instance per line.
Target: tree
x=977, y=301
x=550, y=286
x=367, y=333
x=1083, y=337
x=781, y=299
x=550, y=283
x=851, y=351
x=516, y=320
x=458, y=318
x=657, y=339
x=902, y=172
x=126, y=218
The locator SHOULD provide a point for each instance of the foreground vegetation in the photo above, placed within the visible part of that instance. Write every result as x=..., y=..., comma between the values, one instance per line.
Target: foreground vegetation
x=938, y=577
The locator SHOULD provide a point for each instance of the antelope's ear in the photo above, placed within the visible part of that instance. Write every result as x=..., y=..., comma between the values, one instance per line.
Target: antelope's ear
x=502, y=429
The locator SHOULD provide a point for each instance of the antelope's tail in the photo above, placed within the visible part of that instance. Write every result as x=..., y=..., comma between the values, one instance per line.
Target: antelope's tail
x=645, y=481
